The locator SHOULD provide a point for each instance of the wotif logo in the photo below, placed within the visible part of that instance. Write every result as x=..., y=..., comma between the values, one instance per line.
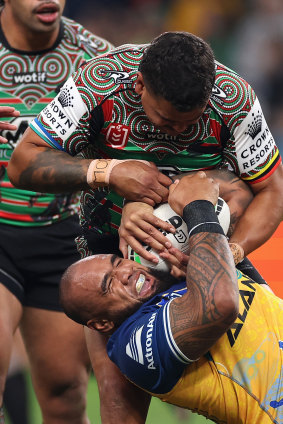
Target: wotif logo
x=29, y=77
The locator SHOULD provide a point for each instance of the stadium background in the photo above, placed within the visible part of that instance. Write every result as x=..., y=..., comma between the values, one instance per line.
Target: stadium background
x=246, y=35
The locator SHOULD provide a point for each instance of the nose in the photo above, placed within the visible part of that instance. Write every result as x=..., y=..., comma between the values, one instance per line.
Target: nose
x=122, y=274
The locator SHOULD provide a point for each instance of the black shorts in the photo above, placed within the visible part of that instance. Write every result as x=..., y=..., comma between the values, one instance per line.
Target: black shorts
x=32, y=260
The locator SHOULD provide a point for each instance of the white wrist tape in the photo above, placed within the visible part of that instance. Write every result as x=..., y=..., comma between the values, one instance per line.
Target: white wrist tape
x=99, y=170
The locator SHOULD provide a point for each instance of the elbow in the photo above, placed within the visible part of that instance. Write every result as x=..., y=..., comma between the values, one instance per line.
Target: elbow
x=228, y=304
x=13, y=173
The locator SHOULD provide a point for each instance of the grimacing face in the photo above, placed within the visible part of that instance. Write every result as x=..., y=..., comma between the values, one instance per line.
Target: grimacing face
x=37, y=15
x=118, y=287
x=162, y=114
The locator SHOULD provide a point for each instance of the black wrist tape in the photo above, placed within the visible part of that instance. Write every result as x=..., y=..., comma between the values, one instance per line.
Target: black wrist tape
x=200, y=217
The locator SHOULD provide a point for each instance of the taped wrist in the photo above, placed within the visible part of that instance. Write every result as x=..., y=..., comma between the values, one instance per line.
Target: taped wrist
x=200, y=217
x=99, y=170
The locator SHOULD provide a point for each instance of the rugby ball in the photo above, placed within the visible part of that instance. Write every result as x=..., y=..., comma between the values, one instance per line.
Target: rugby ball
x=180, y=238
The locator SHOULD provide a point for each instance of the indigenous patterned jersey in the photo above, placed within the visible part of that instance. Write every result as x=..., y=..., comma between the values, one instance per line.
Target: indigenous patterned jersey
x=99, y=114
x=239, y=381
x=28, y=81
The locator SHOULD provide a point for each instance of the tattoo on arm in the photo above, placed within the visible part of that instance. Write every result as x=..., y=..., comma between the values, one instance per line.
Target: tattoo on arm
x=54, y=171
x=200, y=317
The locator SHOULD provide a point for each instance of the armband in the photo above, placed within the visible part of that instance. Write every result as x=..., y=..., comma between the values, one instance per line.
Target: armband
x=99, y=170
x=237, y=252
x=200, y=217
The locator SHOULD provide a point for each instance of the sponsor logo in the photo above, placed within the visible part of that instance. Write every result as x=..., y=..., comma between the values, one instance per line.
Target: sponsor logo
x=29, y=77
x=247, y=297
x=134, y=347
x=57, y=119
x=255, y=127
x=161, y=137
x=218, y=92
x=64, y=112
x=218, y=95
x=87, y=42
x=119, y=77
x=117, y=135
x=148, y=343
x=65, y=97
x=258, y=150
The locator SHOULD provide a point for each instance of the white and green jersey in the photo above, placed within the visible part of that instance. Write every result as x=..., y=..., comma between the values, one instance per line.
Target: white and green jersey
x=99, y=114
x=28, y=81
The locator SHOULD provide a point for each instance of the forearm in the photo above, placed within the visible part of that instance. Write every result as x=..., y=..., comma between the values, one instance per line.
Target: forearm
x=48, y=170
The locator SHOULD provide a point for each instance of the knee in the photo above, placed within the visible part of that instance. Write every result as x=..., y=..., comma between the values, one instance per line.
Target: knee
x=64, y=400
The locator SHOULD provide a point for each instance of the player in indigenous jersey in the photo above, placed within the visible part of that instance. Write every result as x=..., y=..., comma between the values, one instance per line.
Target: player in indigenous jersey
x=212, y=344
x=168, y=102
x=39, y=50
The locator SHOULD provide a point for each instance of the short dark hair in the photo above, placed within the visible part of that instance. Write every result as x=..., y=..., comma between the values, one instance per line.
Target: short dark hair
x=2, y=3
x=180, y=67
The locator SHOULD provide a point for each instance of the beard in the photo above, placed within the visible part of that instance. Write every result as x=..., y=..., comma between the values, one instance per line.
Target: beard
x=163, y=281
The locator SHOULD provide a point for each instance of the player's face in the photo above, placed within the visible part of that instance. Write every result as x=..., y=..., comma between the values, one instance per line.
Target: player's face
x=122, y=285
x=164, y=116
x=36, y=15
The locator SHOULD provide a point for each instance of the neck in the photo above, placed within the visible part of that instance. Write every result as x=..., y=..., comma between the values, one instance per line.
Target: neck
x=20, y=37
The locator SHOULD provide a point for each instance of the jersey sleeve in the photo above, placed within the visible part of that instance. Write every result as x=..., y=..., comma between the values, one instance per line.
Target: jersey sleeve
x=256, y=155
x=146, y=353
x=65, y=122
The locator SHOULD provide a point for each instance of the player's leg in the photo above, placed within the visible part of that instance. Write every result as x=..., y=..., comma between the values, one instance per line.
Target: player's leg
x=11, y=298
x=10, y=315
x=16, y=388
x=56, y=347
x=120, y=400
x=59, y=365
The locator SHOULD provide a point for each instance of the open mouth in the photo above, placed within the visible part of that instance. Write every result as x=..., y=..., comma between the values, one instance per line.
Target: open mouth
x=140, y=282
x=47, y=12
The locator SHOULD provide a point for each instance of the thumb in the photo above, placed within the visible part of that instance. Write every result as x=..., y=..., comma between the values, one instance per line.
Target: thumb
x=123, y=246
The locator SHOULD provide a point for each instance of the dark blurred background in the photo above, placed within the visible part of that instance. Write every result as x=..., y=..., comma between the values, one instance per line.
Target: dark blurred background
x=246, y=35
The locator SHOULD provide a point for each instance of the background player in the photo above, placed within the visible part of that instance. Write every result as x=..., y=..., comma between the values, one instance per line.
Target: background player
x=38, y=51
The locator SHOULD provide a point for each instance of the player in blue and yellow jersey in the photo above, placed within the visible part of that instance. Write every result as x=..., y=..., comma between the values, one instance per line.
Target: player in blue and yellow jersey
x=212, y=344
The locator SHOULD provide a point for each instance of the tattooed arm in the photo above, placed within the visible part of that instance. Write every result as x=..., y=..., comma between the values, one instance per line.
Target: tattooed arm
x=35, y=165
x=210, y=305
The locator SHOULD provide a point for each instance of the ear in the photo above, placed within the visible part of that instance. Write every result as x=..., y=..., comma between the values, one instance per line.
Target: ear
x=101, y=325
x=139, y=87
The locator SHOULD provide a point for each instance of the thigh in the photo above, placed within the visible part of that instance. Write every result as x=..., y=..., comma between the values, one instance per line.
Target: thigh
x=59, y=365
x=55, y=345
x=51, y=250
x=10, y=315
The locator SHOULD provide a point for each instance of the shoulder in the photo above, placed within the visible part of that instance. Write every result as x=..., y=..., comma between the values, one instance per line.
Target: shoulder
x=84, y=39
x=232, y=96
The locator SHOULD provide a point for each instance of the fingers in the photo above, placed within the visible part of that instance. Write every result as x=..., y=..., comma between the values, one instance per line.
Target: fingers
x=7, y=126
x=141, y=251
x=178, y=273
x=175, y=257
x=8, y=111
x=123, y=246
